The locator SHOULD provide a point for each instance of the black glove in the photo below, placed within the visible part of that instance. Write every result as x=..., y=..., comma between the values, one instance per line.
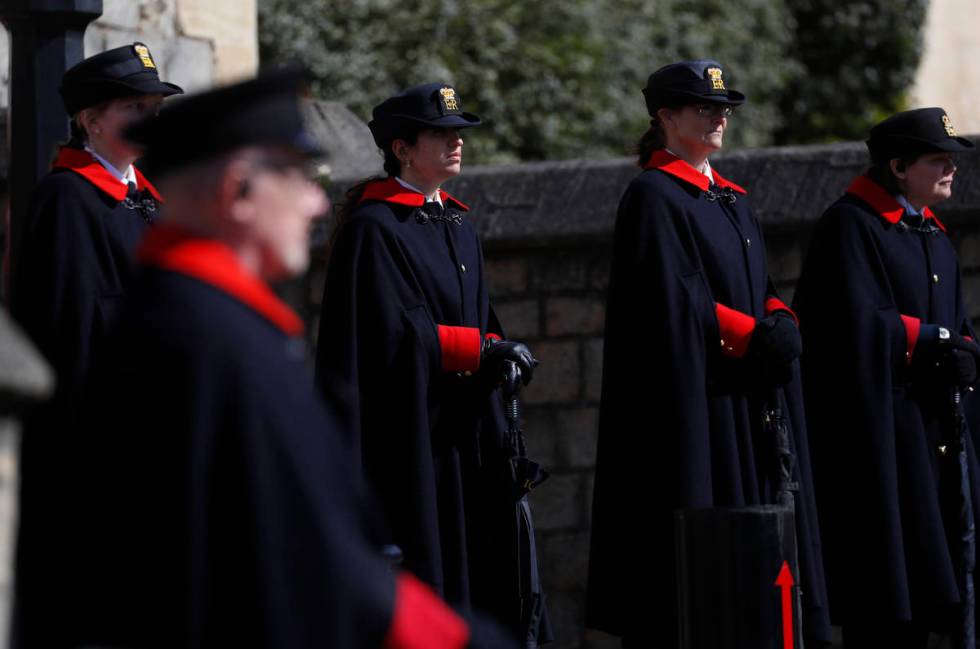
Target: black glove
x=495, y=352
x=948, y=356
x=775, y=344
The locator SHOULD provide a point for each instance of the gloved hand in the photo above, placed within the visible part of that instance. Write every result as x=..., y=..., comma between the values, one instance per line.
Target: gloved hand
x=774, y=345
x=495, y=352
x=950, y=357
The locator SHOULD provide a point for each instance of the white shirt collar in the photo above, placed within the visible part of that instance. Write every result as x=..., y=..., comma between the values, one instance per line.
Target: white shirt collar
x=129, y=176
x=909, y=209
x=705, y=170
x=411, y=187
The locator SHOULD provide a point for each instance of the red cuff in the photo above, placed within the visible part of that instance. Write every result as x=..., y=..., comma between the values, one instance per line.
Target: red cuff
x=493, y=336
x=422, y=621
x=736, y=330
x=774, y=304
x=912, y=326
x=460, y=348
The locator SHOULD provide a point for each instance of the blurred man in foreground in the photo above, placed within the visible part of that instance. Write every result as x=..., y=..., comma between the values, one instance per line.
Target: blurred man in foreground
x=216, y=510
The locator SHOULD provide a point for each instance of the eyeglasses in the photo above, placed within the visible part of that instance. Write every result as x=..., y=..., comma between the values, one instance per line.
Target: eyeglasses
x=712, y=110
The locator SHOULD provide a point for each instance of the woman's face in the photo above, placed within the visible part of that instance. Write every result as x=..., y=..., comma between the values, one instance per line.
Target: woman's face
x=700, y=128
x=106, y=123
x=436, y=156
x=929, y=179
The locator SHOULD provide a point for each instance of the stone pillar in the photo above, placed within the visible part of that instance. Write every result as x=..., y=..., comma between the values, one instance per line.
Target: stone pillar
x=45, y=40
x=25, y=379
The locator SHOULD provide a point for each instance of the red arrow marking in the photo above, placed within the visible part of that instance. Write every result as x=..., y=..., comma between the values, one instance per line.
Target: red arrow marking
x=785, y=581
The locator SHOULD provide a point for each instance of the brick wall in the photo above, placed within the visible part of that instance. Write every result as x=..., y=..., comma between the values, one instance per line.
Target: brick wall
x=547, y=231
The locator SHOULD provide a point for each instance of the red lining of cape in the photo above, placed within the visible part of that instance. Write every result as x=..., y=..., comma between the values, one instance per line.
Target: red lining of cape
x=671, y=164
x=882, y=202
x=212, y=262
x=85, y=165
x=390, y=190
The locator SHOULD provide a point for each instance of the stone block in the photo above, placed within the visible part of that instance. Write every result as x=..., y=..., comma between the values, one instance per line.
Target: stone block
x=519, y=318
x=122, y=14
x=574, y=316
x=593, y=370
x=231, y=26
x=967, y=242
x=557, y=379
x=564, y=272
x=95, y=39
x=191, y=64
x=564, y=561
x=599, y=271
x=351, y=151
x=506, y=276
x=576, y=436
x=785, y=257
x=540, y=434
x=557, y=504
x=567, y=611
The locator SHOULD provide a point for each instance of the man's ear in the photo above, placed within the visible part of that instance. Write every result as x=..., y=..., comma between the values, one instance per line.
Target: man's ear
x=234, y=190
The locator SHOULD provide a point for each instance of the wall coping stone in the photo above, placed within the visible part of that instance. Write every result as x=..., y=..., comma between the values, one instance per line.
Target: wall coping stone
x=25, y=377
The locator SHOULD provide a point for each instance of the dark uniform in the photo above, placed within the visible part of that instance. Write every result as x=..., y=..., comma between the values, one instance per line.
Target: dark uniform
x=73, y=270
x=218, y=508
x=682, y=399
x=405, y=314
x=875, y=277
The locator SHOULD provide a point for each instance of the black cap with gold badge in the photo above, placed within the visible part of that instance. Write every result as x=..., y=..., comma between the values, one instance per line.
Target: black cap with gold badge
x=264, y=111
x=913, y=133
x=431, y=104
x=689, y=82
x=119, y=72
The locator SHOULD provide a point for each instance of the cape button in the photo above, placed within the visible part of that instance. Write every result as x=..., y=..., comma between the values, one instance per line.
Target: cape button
x=462, y=267
x=935, y=279
x=748, y=243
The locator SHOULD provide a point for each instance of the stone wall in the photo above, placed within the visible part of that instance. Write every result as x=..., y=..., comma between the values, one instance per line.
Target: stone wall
x=547, y=232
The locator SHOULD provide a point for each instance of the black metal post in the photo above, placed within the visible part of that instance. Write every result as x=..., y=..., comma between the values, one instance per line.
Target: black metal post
x=45, y=40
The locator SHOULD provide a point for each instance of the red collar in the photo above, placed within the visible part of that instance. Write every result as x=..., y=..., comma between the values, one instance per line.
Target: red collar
x=671, y=164
x=390, y=190
x=882, y=202
x=212, y=262
x=85, y=165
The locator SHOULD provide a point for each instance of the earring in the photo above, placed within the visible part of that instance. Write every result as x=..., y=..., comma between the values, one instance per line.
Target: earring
x=407, y=164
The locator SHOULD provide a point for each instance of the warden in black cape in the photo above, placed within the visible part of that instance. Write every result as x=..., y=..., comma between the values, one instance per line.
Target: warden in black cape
x=217, y=506
x=73, y=269
x=880, y=275
x=695, y=335
x=409, y=354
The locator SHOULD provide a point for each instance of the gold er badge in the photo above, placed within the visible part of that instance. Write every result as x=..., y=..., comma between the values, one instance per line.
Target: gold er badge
x=716, y=81
x=948, y=125
x=143, y=52
x=449, y=100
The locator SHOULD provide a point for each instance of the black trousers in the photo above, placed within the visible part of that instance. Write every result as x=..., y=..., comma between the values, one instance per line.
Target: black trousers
x=885, y=633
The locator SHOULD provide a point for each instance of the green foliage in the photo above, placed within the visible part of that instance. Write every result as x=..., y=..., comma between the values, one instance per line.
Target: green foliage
x=858, y=60
x=562, y=79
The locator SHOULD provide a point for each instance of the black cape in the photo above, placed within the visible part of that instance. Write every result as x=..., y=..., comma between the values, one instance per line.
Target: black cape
x=402, y=290
x=73, y=269
x=874, y=425
x=681, y=420
x=216, y=505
